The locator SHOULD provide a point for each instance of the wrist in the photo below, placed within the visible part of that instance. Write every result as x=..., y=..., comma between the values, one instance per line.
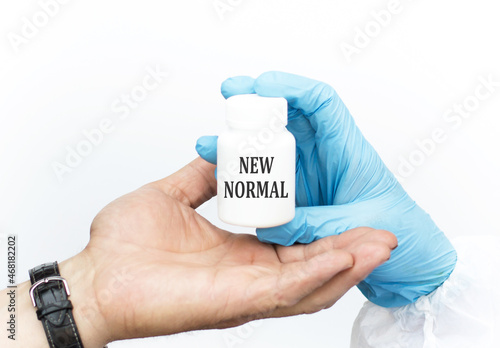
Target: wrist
x=79, y=273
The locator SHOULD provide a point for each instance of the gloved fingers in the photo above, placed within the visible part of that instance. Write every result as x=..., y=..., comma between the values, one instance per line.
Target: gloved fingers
x=206, y=146
x=308, y=225
x=316, y=100
x=237, y=85
x=349, y=240
x=312, y=223
x=245, y=85
x=332, y=148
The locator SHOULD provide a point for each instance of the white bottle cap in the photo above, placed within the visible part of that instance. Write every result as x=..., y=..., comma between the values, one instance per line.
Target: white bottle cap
x=250, y=111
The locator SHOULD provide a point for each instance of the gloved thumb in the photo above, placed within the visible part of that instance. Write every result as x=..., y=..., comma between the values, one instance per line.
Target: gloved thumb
x=206, y=146
x=312, y=223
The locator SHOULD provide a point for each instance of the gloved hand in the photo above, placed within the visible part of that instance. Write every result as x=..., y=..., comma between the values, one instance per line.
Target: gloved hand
x=341, y=183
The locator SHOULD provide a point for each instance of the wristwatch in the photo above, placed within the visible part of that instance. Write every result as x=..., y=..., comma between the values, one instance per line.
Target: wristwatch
x=49, y=292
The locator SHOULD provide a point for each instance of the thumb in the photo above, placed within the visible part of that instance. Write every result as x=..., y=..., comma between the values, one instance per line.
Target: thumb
x=206, y=146
x=192, y=185
x=312, y=223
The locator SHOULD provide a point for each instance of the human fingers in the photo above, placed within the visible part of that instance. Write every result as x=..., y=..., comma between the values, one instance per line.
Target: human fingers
x=193, y=185
x=367, y=256
x=348, y=240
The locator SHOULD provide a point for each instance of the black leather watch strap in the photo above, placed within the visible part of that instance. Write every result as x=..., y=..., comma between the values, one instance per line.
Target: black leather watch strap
x=50, y=294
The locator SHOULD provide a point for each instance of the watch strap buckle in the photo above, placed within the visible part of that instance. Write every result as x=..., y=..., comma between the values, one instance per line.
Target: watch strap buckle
x=45, y=281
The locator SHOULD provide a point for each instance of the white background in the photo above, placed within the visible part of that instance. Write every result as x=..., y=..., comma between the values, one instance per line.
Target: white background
x=65, y=78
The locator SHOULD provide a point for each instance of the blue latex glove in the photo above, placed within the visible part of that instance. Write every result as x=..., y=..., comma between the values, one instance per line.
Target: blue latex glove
x=341, y=184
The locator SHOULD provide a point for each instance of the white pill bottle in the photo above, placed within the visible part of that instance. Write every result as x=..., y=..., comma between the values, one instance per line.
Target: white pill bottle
x=256, y=163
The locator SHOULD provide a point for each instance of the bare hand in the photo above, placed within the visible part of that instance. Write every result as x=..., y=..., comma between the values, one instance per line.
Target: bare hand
x=154, y=266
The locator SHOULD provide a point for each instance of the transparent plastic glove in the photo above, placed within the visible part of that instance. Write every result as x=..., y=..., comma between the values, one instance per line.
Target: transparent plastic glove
x=341, y=183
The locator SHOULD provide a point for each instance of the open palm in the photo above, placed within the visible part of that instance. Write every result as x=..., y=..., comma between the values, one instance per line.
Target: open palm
x=160, y=268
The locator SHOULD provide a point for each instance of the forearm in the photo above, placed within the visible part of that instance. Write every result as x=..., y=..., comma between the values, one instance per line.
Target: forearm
x=28, y=329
